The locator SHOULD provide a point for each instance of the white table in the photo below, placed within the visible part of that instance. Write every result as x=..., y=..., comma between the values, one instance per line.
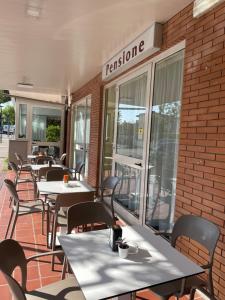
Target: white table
x=31, y=156
x=58, y=187
x=36, y=168
x=101, y=273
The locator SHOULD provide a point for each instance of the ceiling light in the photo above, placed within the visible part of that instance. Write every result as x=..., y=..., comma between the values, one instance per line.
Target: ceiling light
x=34, y=12
x=25, y=85
x=203, y=6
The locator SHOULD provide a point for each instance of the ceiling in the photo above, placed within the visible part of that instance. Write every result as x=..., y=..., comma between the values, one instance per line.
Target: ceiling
x=71, y=39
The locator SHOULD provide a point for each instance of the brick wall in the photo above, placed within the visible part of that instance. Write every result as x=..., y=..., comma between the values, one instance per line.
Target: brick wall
x=201, y=167
x=94, y=89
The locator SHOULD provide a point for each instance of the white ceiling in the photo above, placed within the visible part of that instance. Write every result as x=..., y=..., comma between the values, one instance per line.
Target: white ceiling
x=71, y=40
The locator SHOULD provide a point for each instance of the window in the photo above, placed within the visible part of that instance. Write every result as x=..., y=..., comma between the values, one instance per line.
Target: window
x=46, y=124
x=22, y=121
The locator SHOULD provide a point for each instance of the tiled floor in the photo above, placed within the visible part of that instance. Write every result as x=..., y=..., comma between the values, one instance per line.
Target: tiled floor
x=28, y=233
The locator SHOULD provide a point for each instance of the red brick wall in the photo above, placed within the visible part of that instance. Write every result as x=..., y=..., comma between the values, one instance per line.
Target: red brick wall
x=201, y=167
x=94, y=89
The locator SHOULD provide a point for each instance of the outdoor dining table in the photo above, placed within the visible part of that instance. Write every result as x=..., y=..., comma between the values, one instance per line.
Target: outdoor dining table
x=36, y=168
x=58, y=187
x=102, y=274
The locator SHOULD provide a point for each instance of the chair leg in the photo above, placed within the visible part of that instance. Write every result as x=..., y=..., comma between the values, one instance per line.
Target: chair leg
x=192, y=294
x=10, y=219
x=65, y=264
x=54, y=230
x=42, y=223
x=13, y=226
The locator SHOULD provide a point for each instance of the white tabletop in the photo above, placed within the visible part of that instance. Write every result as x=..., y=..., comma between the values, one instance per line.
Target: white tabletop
x=101, y=273
x=31, y=156
x=58, y=187
x=38, y=167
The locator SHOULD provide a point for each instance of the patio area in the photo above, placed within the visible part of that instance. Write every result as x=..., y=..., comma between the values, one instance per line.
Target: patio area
x=28, y=234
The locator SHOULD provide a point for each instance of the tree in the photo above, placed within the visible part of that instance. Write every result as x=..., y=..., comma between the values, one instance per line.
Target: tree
x=8, y=114
x=4, y=96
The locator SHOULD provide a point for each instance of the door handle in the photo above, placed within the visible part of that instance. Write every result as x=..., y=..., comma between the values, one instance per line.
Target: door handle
x=138, y=164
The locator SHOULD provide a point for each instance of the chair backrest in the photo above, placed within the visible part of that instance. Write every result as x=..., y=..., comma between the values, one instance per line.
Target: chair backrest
x=40, y=160
x=109, y=184
x=56, y=174
x=62, y=158
x=12, y=190
x=198, y=229
x=88, y=213
x=19, y=158
x=13, y=167
x=68, y=199
x=12, y=256
x=44, y=170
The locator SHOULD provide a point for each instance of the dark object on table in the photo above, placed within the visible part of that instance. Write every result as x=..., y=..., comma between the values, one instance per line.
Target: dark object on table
x=115, y=235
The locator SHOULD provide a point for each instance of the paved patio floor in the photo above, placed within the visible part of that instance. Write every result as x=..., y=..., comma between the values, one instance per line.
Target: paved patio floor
x=28, y=233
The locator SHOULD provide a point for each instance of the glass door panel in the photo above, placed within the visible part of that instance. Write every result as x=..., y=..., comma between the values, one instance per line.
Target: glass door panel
x=130, y=138
x=131, y=117
x=164, y=140
x=108, y=137
x=81, y=132
x=129, y=189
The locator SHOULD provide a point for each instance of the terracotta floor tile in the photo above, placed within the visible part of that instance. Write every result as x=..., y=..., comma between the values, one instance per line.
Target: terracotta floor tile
x=28, y=234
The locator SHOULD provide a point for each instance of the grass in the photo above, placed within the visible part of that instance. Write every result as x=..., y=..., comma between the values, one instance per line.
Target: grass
x=5, y=165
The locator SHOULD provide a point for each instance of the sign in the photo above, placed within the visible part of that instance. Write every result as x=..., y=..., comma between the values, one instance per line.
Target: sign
x=144, y=45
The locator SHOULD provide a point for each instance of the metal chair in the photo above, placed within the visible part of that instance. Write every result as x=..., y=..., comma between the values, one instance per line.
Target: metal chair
x=21, y=208
x=107, y=192
x=42, y=173
x=76, y=172
x=56, y=174
x=59, y=209
x=23, y=166
x=203, y=291
x=12, y=256
x=41, y=160
x=61, y=159
x=17, y=172
x=86, y=213
x=206, y=234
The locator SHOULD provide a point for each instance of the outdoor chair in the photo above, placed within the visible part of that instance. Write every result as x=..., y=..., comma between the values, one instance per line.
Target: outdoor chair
x=12, y=256
x=21, y=208
x=58, y=211
x=107, y=192
x=23, y=166
x=203, y=291
x=61, y=159
x=18, y=180
x=42, y=173
x=76, y=172
x=82, y=214
x=56, y=174
x=206, y=234
x=41, y=160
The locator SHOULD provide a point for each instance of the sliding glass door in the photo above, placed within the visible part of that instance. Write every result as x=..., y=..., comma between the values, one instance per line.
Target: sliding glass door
x=164, y=141
x=141, y=138
x=81, y=132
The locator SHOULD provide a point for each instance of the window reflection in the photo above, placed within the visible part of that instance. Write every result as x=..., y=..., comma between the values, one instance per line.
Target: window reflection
x=163, y=153
x=46, y=124
x=22, y=121
x=128, y=191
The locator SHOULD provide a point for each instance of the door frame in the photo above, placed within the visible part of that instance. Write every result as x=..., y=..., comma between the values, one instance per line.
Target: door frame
x=122, y=212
